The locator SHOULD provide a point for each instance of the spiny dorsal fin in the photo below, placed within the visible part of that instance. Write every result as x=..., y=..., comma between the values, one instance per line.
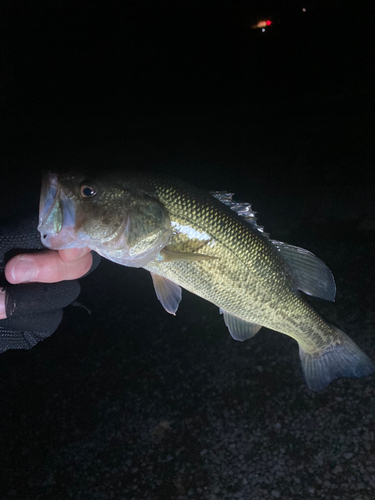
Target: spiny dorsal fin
x=313, y=277
x=244, y=210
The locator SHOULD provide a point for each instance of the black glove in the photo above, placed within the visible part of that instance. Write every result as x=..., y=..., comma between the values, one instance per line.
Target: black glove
x=34, y=310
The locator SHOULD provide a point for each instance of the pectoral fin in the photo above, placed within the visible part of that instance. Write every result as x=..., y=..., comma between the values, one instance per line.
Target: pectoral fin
x=170, y=256
x=167, y=292
x=239, y=329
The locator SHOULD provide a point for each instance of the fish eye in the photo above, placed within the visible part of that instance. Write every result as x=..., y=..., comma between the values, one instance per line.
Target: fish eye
x=88, y=191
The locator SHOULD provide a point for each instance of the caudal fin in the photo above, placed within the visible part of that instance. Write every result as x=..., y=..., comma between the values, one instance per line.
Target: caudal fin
x=345, y=359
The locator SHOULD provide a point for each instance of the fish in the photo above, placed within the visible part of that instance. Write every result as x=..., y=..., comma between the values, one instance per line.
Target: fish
x=208, y=244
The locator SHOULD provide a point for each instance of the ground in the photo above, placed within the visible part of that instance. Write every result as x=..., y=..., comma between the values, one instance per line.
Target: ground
x=130, y=403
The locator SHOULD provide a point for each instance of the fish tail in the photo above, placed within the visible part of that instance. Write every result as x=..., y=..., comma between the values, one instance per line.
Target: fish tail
x=344, y=359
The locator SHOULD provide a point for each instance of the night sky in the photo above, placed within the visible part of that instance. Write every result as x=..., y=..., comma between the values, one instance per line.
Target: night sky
x=128, y=402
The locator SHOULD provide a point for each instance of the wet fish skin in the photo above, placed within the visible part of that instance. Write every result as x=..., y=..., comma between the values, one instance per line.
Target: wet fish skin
x=188, y=238
x=122, y=223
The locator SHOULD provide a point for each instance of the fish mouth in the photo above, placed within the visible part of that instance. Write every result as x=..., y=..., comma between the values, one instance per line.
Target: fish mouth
x=57, y=216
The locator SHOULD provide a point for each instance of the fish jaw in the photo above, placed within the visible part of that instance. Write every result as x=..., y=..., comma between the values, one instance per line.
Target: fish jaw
x=57, y=217
x=67, y=221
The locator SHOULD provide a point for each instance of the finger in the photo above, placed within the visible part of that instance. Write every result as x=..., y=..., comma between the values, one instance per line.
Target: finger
x=30, y=299
x=45, y=267
x=71, y=254
x=28, y=331
x=2, y=305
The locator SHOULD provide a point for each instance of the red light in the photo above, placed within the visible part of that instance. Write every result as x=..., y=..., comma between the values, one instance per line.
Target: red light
x=262, y=24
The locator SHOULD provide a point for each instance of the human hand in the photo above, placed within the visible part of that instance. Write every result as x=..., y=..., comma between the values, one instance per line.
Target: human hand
x=46, y=266
x=34, y=303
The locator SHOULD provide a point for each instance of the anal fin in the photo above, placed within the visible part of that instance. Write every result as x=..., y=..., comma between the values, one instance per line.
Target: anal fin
x=239, y=329
x=167, y=292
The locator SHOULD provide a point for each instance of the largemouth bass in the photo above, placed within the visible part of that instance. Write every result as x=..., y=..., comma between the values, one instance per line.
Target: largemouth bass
x=209, y=245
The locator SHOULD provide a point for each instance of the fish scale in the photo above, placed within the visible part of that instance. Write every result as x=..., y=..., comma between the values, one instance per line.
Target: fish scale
x=207, y=244
x=244, y=262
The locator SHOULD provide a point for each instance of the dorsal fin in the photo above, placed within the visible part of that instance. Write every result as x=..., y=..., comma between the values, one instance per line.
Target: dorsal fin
x=244, y=210
x=312, y=275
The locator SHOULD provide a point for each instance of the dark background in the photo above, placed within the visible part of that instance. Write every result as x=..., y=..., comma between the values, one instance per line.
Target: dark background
x=128, y=402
